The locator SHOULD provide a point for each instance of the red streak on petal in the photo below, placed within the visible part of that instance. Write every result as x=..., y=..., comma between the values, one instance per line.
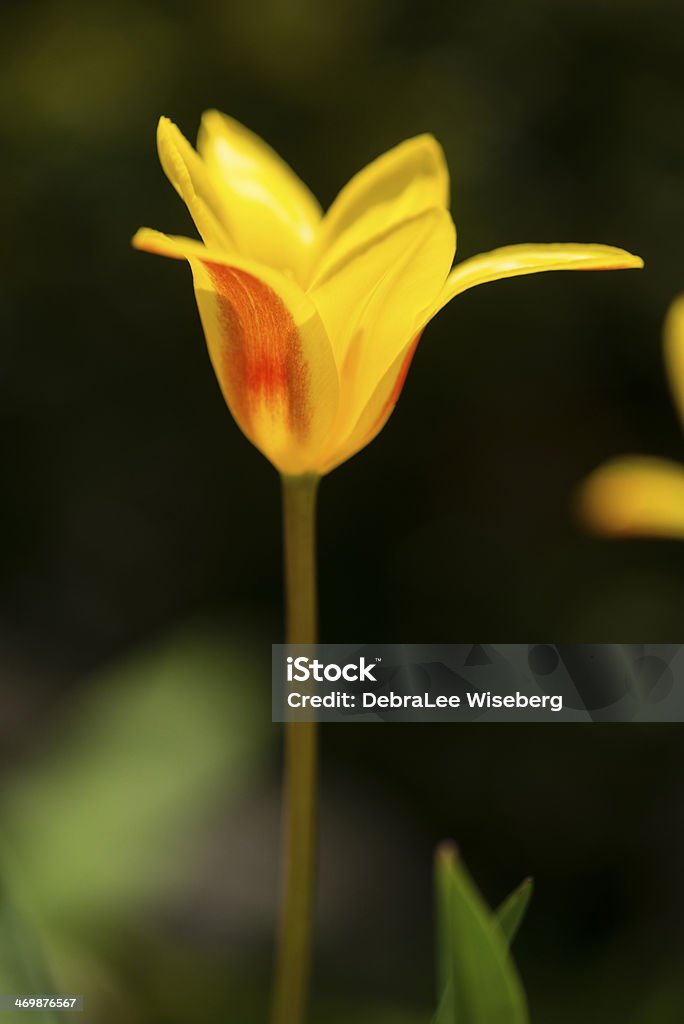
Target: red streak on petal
x=401, y=376
x=260, y=362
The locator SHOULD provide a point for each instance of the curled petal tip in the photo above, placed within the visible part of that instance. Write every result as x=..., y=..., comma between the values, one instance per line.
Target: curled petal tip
x=159, y=244
x=632, y=262
x=597, y=257
x=148, y=240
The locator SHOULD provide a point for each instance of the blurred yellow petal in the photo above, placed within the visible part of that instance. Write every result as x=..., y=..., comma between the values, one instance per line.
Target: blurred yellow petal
x=403, y=182
x=273, y=216
x=269, y=350
x=635, y=496
x=674, y=352
x=191, y=180
x=515, y=260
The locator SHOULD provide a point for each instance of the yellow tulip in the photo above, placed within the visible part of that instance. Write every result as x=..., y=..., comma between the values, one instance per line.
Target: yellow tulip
x=311, y=319
x=641, y=495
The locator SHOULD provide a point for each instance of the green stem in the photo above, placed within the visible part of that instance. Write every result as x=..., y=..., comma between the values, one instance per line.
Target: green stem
x=293, y=964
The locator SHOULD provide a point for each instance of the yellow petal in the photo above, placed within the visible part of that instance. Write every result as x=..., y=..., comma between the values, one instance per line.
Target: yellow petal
x=191, y=180
x=273, y=216
x=376, y=411
x=674, y=352
x=515, y=260
x=403, y=182
x=635, y=496
x=176, y=247
x=381, y=286
x=388, y=318
x=269, y=350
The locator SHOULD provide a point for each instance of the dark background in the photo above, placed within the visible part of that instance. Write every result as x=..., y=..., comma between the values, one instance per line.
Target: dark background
x=141, y=586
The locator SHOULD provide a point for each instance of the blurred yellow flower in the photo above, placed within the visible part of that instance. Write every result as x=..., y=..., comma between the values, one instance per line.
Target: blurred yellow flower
x=640, y=495
x=312, y=319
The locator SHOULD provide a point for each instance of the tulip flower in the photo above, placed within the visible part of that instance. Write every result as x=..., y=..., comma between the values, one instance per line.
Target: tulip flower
x=641, y=495
x=312, y=319
x=311, y=322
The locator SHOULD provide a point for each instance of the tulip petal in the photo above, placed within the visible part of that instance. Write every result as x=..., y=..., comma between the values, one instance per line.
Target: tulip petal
x=269, y=350
x=674, y=352
x=379, y=288
x=394, y=313
x=634, y=496
x=403, y=182
x=376, y=412
x=515, y=260
x=191, y=180
x=273, y=216
x=371, y=349
x=176, y=247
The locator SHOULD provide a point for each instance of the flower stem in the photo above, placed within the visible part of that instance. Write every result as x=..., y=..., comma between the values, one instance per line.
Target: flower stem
x=293, y=963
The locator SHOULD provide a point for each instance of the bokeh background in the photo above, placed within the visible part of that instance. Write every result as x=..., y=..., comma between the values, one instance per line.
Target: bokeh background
x=140, y=557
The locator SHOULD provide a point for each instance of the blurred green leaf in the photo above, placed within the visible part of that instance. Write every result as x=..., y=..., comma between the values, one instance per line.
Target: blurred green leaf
x=24, y=968
x=477, y=978
x=513, y=909
x=102, y=819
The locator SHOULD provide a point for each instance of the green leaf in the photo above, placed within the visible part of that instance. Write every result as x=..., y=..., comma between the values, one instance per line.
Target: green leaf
x=512, y=910
x=477, y=978
x=103, y=820
x=23, y=964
